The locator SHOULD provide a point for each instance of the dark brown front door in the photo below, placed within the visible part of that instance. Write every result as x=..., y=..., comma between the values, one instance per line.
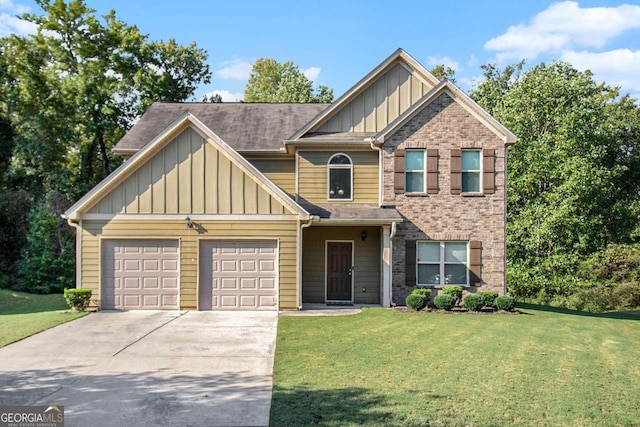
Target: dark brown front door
x=339, y=265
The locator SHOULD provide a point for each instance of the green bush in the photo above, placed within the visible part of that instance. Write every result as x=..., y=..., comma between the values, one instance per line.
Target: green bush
x=456, y=291
x=488, y=298
x=598, y=298
x=505, y=302
x=418, y=298
x=473, y=302
x=626, y=295
x=417, y=302
x=421, y=291
x=77, y=299
x=444, y=301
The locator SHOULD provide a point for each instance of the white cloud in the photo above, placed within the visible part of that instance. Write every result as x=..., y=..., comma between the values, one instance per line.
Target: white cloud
x=620, y=67
x=565, y=26
x=14, y=8
x=236, y=69
x=312, y=73
x=9, y=21
x=226, y=95
x=434, y=61
x=10, y=24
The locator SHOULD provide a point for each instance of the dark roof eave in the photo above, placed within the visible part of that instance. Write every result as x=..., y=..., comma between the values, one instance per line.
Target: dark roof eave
x=358, y=221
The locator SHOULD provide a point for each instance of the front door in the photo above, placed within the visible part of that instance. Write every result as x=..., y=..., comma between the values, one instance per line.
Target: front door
x=339, y=271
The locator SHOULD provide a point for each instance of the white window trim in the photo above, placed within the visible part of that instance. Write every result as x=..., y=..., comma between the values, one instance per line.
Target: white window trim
x=329, y=167
x=442, y=263
x=479, y=171
x=424, y=171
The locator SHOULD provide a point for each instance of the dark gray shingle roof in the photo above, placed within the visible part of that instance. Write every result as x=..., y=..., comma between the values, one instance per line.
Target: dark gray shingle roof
x=245, y=127
x=352, y=212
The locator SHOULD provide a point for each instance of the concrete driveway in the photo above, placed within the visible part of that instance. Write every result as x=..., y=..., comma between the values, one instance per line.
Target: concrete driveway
x=139, y=368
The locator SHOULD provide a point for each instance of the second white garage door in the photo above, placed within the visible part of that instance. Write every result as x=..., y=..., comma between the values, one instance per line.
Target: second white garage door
x=238, y=275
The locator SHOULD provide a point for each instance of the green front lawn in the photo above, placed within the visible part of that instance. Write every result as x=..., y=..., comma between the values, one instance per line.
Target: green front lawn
x=22, y=315
x=382, y=367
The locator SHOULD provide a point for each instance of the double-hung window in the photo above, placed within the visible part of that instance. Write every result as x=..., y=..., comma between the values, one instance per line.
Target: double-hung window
x=340, y=171
x=414, y=170
x=471, y=171
x=442, y=263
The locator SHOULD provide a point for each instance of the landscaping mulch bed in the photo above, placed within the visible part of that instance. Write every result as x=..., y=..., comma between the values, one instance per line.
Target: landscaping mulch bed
x=456, y=310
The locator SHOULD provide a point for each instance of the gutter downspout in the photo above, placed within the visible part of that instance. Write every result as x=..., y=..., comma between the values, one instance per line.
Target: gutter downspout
x=377, y=146
x=309, y=222
x=78, y=227
x=391, y=236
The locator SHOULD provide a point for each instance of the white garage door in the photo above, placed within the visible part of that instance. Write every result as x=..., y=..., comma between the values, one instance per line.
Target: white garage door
x=238, y=275
x=140, y=275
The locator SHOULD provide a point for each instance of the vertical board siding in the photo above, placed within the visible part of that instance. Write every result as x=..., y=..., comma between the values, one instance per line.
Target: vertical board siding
x=281, y=172
x=284, y=231
x=380, y=103
x=190, y=176
x=313, y=175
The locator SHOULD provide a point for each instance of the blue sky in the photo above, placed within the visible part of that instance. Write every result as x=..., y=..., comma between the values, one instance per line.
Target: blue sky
x=337, y=42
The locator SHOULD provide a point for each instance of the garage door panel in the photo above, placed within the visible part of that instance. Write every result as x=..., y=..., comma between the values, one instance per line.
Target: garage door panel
x=238, y=275
x=140, y=274
x=267, y=283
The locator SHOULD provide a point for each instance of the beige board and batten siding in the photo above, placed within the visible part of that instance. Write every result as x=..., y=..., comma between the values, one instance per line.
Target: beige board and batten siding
x=366, y=262
x=188, y=176
x=312, y=175
x=380, y=103
x=281, y=172
x=285, y=232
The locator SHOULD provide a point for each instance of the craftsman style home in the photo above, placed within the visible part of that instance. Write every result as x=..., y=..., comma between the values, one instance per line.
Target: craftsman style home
x=399, y=183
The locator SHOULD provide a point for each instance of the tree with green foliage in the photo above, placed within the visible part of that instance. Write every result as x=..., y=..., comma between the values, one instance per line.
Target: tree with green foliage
x=75, y=87
x=574, y=176
x=67, y=94
x=271, y=81
x=48, y=264
x=443, y=72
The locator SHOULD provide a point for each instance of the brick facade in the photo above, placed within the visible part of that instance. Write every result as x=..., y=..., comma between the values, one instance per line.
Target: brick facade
x=445, y=125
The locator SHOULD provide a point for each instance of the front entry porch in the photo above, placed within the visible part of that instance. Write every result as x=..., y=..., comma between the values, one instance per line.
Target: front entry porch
x=342, y=265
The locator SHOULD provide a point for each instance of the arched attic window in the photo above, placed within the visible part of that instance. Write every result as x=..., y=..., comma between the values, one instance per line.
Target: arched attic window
x=340, y=172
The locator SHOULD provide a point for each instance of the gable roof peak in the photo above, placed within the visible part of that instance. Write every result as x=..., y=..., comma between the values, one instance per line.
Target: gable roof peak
x=398, y=56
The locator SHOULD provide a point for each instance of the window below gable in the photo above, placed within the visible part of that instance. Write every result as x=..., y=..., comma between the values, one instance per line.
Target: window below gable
x=340, y=177
x=471, y=171
x=414, y=171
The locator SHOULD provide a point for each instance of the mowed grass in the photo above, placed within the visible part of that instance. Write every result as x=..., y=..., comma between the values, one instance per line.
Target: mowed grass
x=22, y=314
x=545, y=367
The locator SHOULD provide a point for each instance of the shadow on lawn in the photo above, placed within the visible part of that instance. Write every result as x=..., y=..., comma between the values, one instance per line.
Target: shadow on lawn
x=623, y=315
x=356, y=406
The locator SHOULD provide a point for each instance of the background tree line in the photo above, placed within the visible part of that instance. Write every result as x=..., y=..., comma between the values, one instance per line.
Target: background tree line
x=71, y=91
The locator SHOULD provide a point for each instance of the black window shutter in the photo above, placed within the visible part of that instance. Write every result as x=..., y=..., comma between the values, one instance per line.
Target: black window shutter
x=410, y=262
x=432, y=171
x=475, y=263
x=456, y=171
x=398, y=169
x=488, y=171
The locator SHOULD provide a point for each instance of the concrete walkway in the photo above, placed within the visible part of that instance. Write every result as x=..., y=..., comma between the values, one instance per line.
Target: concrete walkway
x=144, y=368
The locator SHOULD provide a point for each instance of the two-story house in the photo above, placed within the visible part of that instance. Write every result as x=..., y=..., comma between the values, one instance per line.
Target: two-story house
x=399, y=183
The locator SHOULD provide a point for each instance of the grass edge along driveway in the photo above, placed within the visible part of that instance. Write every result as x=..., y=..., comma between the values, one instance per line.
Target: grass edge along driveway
x=23, y=314
x=383, y=367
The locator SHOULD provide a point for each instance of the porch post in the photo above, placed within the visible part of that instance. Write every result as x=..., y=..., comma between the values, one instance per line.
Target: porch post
x=386, y=265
